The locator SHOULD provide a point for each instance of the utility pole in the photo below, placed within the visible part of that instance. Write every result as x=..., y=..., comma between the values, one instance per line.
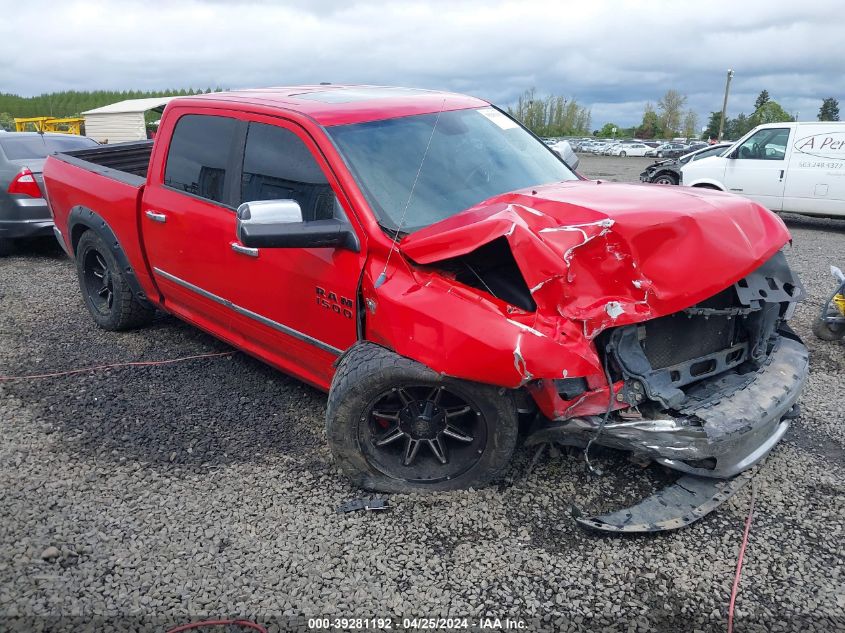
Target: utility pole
x=725, y=103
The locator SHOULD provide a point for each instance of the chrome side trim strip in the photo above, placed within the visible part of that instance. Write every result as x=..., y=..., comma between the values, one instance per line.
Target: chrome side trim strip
x=61, y=240
x=249, y=313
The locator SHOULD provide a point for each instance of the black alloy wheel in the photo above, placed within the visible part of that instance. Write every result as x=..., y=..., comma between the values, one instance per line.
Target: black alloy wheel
x=422, y=433
x=99, y=284
x=107, y=295
x=395, y=425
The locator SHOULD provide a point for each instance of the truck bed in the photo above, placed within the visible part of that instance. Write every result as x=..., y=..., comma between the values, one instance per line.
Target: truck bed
x=126, y=162
x=102, y=187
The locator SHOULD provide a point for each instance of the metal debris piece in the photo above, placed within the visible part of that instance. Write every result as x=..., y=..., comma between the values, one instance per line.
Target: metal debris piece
x=687, y=500
x=376, y=503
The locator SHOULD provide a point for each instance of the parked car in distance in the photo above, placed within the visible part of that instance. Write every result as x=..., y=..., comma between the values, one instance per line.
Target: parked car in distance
x=668, y=172
x=564, y=150
x=23, y=209
x=353, y=236
x=667, y=150
x=630, y=149
x=795, y=166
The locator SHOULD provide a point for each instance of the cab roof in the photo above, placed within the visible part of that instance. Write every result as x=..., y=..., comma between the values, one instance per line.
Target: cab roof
x=330, y=104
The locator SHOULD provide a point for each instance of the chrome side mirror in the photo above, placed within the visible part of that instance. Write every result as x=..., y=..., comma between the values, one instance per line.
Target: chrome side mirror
x=269, y=212
x=279, y=224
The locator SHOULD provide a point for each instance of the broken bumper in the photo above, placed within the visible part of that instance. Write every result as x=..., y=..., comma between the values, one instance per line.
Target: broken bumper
x=738, y=430
x=687, y=500
x=714, y=436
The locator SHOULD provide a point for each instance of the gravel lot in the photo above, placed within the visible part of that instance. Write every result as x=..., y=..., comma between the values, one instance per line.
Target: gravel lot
x=205, y=488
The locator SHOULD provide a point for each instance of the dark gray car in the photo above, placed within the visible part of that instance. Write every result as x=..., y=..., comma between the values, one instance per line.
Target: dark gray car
x=25, y=215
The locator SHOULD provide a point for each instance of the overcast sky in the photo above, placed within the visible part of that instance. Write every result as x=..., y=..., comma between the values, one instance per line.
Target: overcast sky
x=610, y=55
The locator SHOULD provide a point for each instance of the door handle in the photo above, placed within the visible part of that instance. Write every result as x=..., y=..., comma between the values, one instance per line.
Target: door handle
x=155, y=216
x=781, y=175
x=244, y=250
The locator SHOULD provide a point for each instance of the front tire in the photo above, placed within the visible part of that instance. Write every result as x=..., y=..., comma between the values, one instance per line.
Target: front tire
x=623, y=154
x=107, y=296
x=665, y=179
x=394, y=425
x=659, y=154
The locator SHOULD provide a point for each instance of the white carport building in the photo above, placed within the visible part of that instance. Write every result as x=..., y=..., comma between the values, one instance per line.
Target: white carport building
x=121, y=121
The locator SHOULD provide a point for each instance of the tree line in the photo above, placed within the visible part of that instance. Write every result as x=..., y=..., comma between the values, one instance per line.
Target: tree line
x=666, y=122
x=71, y=103
x=558, y=116
x=554, y=115
x=671, y=118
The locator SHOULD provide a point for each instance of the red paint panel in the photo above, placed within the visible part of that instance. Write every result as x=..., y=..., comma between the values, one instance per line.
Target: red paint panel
x=595, y=255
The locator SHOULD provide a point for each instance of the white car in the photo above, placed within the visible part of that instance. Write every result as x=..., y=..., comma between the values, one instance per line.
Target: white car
x=630, y=149
x=564, y=150
x=795, y=167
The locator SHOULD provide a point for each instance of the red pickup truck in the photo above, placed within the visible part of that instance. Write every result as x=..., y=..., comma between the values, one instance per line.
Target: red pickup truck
x=448, y=279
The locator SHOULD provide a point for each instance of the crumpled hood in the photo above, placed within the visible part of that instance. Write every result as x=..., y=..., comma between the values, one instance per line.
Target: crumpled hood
x=608, y=253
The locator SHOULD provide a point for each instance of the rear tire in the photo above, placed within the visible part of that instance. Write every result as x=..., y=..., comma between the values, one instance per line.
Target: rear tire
x=623, y=154
x=107, y=296
x=394, y=425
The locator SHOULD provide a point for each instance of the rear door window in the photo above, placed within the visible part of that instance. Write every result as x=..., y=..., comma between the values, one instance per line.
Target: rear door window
x=199, y=155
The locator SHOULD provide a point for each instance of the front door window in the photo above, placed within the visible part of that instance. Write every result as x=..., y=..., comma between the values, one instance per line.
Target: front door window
x=766, y=144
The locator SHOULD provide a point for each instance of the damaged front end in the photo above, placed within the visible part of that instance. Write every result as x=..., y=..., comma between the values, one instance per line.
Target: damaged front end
x=707, y=390
x=652, y=324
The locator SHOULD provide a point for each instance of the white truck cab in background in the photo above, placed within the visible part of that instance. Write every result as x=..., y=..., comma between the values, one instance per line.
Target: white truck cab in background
x=795, y=167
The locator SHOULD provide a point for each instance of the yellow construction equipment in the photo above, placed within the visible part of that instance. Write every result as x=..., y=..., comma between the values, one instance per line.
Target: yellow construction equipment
x=49, y=124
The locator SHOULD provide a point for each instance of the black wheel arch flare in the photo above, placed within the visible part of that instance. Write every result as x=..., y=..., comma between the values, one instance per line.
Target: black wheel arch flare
x=83, y=219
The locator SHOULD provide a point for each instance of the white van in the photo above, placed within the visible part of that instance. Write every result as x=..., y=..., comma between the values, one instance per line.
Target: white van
x=795, y=167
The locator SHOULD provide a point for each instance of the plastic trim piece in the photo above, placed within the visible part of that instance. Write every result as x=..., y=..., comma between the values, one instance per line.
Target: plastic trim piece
x=687, y=500
x=89, y=219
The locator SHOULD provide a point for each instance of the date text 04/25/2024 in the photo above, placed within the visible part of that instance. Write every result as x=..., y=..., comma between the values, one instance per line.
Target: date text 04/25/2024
x=429, y=624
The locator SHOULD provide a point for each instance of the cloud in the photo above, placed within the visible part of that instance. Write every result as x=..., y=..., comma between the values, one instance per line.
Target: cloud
x=612, y=55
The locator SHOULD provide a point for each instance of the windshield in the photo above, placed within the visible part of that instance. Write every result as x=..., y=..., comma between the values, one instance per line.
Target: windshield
x=712, y=151
x=474, y=155
x=702, y=153
x=39, y=146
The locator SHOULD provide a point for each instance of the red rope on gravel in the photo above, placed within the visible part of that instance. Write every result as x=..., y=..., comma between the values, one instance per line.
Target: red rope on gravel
x=143, y=363
x=735, y=589
x=195, y=625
